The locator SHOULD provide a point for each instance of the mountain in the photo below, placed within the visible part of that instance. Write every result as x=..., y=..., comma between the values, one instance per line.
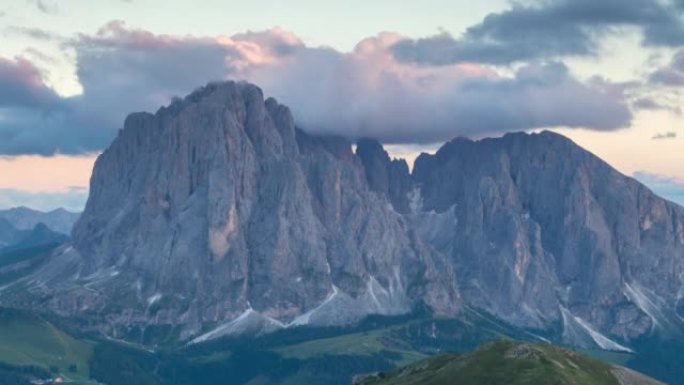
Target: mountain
x=545, y=232
x=218, y=216
x=24, y=218
x=8, y=233
x=40, y=235
x=228, y=219
x=510, y=363
x=12, y=238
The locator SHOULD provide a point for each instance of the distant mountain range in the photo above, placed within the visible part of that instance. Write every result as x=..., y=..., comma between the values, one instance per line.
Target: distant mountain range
x=24, y=218
x=218, y=216
x=24, y=228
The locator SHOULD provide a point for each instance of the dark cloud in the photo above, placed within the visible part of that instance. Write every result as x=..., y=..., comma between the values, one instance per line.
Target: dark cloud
x=124, y=70
x=547, y=29
x=21, y=85
x=362, y=93
x=120, y=71
x=667, y=187
x=665, y=135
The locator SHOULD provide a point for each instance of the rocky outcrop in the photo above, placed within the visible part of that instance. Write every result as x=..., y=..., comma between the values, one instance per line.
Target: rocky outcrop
x=217, y=215
x=386, y=176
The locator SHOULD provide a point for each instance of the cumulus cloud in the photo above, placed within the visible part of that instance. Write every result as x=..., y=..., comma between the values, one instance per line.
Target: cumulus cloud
x=365, y=92
x=546, y=29
x=668, y=187
x=365, y=95
x=21, y=85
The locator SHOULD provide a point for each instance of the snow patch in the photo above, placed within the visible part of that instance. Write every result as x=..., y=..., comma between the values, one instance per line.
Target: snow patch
x=225, y=328
x=599, y=339
x=305, y=318
x=153, y=299
x=647, y=303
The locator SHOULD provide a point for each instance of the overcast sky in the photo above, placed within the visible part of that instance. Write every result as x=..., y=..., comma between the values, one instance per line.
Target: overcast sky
x=608, y=74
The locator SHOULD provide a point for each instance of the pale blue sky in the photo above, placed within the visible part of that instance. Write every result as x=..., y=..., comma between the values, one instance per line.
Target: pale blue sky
x=334, y=23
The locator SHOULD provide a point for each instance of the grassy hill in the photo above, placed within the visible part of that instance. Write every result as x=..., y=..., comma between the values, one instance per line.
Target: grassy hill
x=29, y=341
x=509, y=363
x=33, y=346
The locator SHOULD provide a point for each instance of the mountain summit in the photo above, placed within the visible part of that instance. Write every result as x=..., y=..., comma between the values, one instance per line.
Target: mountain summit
x=217, y=215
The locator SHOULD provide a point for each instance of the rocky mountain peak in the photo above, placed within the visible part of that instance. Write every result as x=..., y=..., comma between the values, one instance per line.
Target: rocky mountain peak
x=218, y=215
x=222, y=214
x=384, y=175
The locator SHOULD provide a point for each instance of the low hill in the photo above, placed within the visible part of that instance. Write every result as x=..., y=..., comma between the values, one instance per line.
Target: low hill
x=509, y=363
x=29, y=341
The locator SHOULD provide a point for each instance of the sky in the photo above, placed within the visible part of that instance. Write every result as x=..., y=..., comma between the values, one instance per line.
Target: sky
x=608, y=74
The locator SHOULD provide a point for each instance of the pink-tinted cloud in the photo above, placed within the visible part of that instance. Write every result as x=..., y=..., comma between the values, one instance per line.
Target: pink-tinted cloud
x=21, y=85
x=365, y=92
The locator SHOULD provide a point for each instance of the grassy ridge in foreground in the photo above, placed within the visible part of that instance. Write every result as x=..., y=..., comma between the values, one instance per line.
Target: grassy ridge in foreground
x=499, y=363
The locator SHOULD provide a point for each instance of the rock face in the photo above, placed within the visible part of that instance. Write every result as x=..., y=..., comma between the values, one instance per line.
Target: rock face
x=217, y=212
x=547, y=232
x=216, y=215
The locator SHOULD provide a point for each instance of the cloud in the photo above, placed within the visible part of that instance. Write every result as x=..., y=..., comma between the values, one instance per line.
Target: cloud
x=668, y=187
x=672, y=74
x=72, y=200
x=360, y=96
x=21, y=85
x=34, y=33
x=45, y=6
x=547, y=29
x=649, y=103
x=365, y=92
x=665, y=135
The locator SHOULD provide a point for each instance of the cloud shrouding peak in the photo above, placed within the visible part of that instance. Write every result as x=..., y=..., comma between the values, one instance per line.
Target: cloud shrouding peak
x=365, y=92
x=552, y=28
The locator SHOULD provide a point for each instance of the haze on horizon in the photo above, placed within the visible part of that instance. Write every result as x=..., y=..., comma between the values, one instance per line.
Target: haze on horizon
x=607, y=74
